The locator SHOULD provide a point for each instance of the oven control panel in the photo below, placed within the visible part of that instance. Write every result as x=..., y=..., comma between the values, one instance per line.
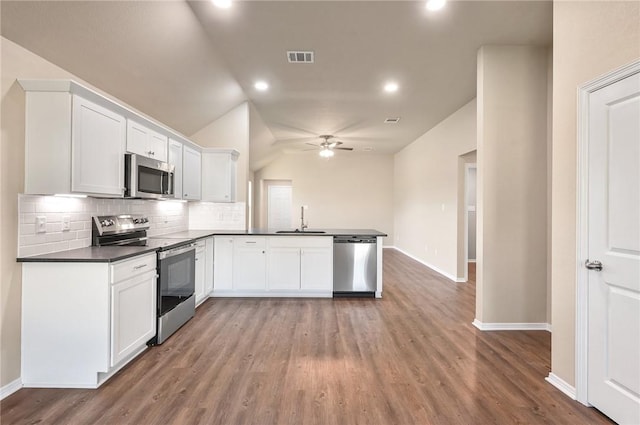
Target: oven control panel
x=111, y=224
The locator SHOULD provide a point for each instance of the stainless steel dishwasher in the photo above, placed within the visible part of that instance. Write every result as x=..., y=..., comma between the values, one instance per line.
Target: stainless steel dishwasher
x=354, y=266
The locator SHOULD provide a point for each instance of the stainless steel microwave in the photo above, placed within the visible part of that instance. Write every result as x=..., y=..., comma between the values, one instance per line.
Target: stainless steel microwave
x=147, y=178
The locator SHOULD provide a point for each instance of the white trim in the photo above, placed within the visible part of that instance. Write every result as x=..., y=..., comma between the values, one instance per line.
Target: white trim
x=582, y=223
x=562, y=385
x=10, y=388
x=431, y=266
x=472, y=261
x=511, y=326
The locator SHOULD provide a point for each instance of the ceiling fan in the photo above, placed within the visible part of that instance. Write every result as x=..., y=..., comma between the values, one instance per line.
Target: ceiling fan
x=328, y=146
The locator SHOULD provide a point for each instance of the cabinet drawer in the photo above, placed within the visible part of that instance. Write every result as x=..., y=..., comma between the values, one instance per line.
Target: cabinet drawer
x=249, y=242
x=301, y=241
x=128, y=268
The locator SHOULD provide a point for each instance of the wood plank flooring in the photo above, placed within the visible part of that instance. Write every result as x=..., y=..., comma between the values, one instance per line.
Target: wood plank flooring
x=412, y=357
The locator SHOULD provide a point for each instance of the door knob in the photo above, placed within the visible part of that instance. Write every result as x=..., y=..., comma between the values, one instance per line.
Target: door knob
x=593, y=265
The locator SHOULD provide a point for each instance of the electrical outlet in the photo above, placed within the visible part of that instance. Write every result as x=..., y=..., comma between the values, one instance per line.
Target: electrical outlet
x=436, y=251
x=41, y=224
x=66, y=223
x=442, y=207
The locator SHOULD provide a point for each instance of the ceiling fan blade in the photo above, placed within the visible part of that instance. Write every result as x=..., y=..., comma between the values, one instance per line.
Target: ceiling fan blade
x=332, y=145
x=313, y=144
x=344, y=149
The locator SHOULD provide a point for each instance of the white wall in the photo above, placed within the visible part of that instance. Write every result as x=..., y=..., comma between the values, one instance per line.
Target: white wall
x=230, y=131
x=511, y=275
x=590, y=39
x=351, y=190
x=426, y=191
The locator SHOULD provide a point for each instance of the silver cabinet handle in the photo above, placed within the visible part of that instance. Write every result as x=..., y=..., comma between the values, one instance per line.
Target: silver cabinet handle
x=139, y=267
x=593, y=265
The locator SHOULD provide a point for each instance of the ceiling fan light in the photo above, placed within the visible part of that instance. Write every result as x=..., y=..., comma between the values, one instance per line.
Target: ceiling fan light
x=326, y=153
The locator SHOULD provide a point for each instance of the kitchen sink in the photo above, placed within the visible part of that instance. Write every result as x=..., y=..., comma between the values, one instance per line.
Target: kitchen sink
x=301, y=231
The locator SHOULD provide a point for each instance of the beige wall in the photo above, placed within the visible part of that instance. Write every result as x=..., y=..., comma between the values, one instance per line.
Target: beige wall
x=16, y=63
x=350, y=190
x=230, y=131
x=426, y=186
x=590, y=39
x=512, y=185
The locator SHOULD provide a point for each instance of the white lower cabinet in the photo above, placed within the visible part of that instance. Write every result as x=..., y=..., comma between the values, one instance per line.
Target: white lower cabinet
x=82, y=322
x=222, y=263
x=208, y=275
x=200, y=273
x=249, y=263
x=300, y=263
x=133, y=314
x=288, y=266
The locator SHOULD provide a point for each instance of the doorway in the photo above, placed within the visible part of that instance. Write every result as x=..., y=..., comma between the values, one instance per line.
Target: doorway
x=471, y=172
x=278, y=203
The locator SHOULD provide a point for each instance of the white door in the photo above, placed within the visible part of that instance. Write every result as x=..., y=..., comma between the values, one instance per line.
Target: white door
x=613, y=384
x=279, y=207
x=191, y=174
x=175, y=159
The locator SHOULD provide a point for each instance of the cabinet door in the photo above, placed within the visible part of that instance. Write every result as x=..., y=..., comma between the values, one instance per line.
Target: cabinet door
x=217, y=177
x=158, y=145
x=191, y=173
x=175, y=159
x=223, y=263
x=200, y=274
x=283, y=269
x=143, y=141
x=97, y=149
x=137, y=136
x=208, y=272
x=249, y=264
x=316, y=269
x=133, y=315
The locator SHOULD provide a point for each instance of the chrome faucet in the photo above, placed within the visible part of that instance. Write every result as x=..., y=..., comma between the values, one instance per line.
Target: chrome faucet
x=302, y=225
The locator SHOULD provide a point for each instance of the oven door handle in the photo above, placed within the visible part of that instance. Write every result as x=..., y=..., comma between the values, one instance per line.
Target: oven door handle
x=176, y=251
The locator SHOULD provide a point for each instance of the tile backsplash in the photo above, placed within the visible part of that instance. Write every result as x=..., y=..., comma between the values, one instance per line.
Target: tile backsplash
x=217, y=216
x=164, y=217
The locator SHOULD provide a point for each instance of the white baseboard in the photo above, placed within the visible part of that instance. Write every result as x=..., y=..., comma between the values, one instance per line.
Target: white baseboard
x=471, y=261
x=431, y=266
x=562, y=385
x=511, y=326
x=10, y=388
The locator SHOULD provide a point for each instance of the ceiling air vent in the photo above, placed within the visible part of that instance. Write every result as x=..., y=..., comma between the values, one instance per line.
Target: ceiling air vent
x=392, y=120
x=300, y=56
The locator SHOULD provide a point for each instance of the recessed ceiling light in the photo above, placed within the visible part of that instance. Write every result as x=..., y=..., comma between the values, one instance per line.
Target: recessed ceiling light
x=436, y=4
x=391, y=87
x=222, y=4
x=261, y=85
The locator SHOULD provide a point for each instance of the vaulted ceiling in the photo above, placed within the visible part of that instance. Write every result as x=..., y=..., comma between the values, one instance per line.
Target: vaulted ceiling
x=187, y=63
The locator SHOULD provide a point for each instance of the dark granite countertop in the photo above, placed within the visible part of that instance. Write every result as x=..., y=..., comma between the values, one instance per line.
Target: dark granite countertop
x=108, y=254
x=197, y=234
x=90, y=254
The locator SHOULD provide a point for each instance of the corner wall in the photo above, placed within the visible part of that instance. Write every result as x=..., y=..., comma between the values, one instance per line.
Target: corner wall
x=426, y=188
x=511, y=274
x=590, y=39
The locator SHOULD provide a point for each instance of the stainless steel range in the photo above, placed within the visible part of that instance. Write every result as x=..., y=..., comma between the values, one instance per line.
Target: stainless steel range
x=176, y=265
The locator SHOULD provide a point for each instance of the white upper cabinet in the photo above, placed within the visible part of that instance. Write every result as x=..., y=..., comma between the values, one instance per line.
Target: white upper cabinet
x=191, y=174
x=143, y=141
x=175, y=159
x=219, y=175
x=72, y=145
x=97, y=149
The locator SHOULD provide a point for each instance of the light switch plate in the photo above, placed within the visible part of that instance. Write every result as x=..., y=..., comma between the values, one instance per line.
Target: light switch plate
x=41, y=224
x=66, y=223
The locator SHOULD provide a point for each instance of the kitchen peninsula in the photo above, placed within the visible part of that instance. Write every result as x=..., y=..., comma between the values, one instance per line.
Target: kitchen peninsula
x=87, y=312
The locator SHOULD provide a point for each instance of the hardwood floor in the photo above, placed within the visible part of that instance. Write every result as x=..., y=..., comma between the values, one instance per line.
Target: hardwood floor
x=412, y=357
